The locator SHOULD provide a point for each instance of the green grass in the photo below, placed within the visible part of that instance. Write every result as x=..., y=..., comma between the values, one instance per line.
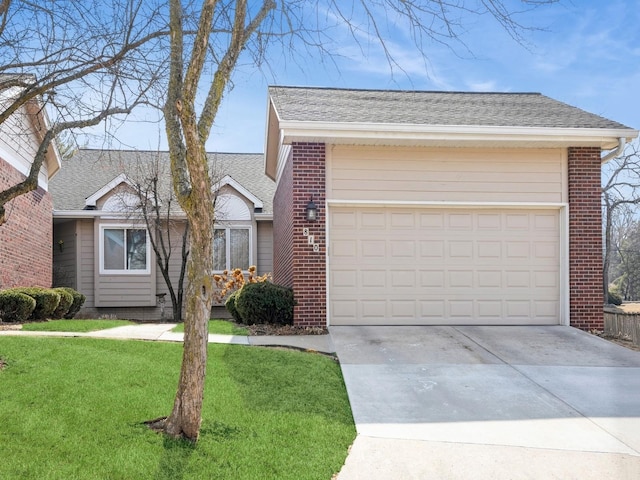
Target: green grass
x=73, y=409
x=222, y=327
x=74, y=325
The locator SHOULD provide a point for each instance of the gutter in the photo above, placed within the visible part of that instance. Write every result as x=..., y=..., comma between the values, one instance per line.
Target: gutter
x=622, y=141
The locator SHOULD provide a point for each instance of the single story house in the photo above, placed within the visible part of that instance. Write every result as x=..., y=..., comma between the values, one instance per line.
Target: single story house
x=26, y=236
x=102, y=246
x=438, y=207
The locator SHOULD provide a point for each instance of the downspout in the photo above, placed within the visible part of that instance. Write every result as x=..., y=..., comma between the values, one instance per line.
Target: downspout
x=614, y=153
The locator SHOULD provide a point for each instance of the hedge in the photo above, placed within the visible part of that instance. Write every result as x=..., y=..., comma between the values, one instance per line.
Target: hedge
x=230, y=305
x=15, y=307
x=265, y=302
x=66, y=300
x=42, y=303
x=78, y=301
x=47, y=301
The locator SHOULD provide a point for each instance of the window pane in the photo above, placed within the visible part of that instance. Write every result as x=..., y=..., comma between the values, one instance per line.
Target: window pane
x=239, y=248
x=219, y=249
x=113, y=249
x=136, y=249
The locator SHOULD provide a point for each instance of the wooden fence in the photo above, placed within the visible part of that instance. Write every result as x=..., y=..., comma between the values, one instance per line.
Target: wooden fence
x=622, y=325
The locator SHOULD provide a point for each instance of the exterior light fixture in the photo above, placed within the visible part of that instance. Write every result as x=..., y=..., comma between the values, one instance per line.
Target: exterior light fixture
x=312, y=210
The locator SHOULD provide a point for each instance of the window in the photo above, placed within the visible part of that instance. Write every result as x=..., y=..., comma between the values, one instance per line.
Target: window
x=231, y=248
x=124, y=250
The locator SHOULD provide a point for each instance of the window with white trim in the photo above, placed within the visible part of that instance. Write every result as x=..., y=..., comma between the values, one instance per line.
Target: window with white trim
x=231, y=248
x=124, y=250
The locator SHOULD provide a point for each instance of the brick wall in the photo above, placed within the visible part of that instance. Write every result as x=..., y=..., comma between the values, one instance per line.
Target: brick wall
x=26, y=238
x=586, y=298
x=296, y=264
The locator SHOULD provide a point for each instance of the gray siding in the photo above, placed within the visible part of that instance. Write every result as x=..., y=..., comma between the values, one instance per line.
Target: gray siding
x=124, y=290
x=86, y=261
x=64, y=255
x=265, y=247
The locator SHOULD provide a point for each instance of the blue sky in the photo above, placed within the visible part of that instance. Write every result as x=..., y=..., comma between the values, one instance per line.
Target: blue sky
x=588, y=55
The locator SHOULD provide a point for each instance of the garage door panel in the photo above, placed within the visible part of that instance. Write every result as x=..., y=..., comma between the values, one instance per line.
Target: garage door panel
x=372, y=220
x=444, y=266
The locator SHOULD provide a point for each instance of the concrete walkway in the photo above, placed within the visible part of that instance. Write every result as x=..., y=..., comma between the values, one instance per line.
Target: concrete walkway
x=489, y=403
x=162, y=332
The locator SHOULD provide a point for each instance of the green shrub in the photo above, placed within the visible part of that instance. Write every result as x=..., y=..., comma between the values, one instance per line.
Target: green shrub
x=265, y=303
x=78, y=301
x=230, y=305
x=614, y=298
x=46, y=301
x=66, y=300
x=15, y=307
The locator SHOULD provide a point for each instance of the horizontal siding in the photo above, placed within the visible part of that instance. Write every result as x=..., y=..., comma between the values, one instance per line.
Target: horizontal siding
x=125, y=291
x=18, y=144
x=86, y=266
x=265, y=247
x=461, y=175
x=64, y=257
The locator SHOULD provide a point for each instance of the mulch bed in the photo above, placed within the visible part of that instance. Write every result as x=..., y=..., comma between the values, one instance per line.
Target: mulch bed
x=265, y=329
x=10, y=326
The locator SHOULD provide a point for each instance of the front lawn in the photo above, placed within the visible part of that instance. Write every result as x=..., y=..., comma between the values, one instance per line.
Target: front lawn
x=73, y=409
x=74, y=325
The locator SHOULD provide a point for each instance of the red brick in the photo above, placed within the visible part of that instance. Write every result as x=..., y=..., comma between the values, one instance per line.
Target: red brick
x=26, y=250
x=295, y=264
x=585, y=239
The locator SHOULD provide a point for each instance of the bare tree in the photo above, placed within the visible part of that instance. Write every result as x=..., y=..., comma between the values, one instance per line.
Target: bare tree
x=156, y=205
x=620, y=191
x=81, y=62
x=206, y=60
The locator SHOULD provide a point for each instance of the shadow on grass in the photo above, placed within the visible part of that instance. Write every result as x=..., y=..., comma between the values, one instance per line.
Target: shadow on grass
x=289, y=382
x=175, y=459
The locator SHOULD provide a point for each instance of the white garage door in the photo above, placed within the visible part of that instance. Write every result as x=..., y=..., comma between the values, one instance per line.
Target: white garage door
x=443, y=266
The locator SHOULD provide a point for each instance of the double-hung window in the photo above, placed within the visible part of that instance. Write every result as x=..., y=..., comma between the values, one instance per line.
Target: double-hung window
x=231, y=248
x=124, y=250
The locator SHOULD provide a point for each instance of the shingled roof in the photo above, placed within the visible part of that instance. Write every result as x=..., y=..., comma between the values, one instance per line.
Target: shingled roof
x=430, y=108
x=90, y=170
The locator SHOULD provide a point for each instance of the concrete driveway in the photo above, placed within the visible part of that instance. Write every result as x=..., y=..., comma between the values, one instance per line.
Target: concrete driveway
x=489, y=402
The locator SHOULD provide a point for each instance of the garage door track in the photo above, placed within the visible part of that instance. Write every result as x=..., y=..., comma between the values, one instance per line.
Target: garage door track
x=489, y=402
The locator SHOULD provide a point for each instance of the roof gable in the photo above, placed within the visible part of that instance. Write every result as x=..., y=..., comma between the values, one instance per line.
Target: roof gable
x=92, y=200
x=228, y=180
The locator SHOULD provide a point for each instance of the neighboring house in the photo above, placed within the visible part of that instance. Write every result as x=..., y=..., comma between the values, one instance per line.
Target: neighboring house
x=438, y=207
x=25, y=238
x=102, y=247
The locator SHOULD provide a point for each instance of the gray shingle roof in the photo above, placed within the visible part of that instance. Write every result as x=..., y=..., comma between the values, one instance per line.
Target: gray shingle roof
x=430, y=108
x=90, y=170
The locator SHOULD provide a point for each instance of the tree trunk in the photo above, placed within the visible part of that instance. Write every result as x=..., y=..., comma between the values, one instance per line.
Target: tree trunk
x=186, y=416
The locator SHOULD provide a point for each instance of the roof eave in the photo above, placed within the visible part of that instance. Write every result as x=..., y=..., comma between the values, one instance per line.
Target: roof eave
x=449, y=135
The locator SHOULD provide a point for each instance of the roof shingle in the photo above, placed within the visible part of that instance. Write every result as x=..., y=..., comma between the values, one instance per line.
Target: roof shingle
x=333, y=105
x=89, y=170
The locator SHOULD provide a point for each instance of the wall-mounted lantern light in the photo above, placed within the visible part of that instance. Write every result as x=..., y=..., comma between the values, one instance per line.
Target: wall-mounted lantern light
x=312, y=211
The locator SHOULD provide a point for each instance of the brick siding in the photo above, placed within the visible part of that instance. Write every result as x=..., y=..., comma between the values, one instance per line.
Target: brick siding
x=296, y=264
x=586, y=297
x=26, y=238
